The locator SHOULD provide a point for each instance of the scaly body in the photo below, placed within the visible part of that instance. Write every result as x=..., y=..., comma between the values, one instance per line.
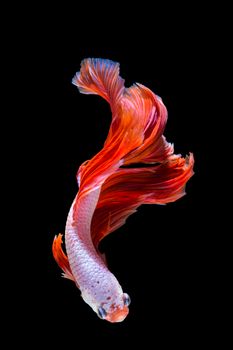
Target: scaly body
x=108, y=194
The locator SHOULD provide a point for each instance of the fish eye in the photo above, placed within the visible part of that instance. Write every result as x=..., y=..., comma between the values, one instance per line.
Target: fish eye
x=101, y=312
x=126, y=299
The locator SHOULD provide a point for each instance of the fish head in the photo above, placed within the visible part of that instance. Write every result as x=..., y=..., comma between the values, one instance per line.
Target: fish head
x=115, y=312
x=118, y=315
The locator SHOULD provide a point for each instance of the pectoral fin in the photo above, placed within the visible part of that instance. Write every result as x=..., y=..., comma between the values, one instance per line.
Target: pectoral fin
x=61, y=258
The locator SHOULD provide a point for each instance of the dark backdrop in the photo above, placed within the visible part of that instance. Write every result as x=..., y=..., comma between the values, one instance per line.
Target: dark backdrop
x=162, y=255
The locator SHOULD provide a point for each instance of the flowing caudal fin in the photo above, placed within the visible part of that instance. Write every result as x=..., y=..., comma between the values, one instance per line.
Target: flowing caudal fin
x=152, y=115
x=136, y=131
x=127, y=189
x=101, y=77
x=61, y=258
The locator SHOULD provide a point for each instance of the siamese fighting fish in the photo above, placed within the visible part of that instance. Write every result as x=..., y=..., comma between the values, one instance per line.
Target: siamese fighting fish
x=114, y=183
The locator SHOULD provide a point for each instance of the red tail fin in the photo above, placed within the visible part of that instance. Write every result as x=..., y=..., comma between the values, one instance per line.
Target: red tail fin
x=138, y=121
x=100, y=77
x=127, y=189
x=135, y=136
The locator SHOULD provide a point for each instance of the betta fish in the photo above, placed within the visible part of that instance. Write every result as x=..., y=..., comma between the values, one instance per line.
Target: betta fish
x=112, y=185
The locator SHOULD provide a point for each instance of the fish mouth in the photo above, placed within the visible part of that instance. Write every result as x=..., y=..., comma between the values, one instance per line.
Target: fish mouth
x=118, y=316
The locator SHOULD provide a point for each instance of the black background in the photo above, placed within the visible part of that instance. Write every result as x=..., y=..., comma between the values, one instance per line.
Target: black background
x=159, y=256
x=162, y=256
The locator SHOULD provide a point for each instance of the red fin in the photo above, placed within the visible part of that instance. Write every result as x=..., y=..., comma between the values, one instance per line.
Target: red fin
x=127, y=189
x=152, y=115
x=138, y=122
x=61, y=258
x=101, y=77
x=118, y=212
